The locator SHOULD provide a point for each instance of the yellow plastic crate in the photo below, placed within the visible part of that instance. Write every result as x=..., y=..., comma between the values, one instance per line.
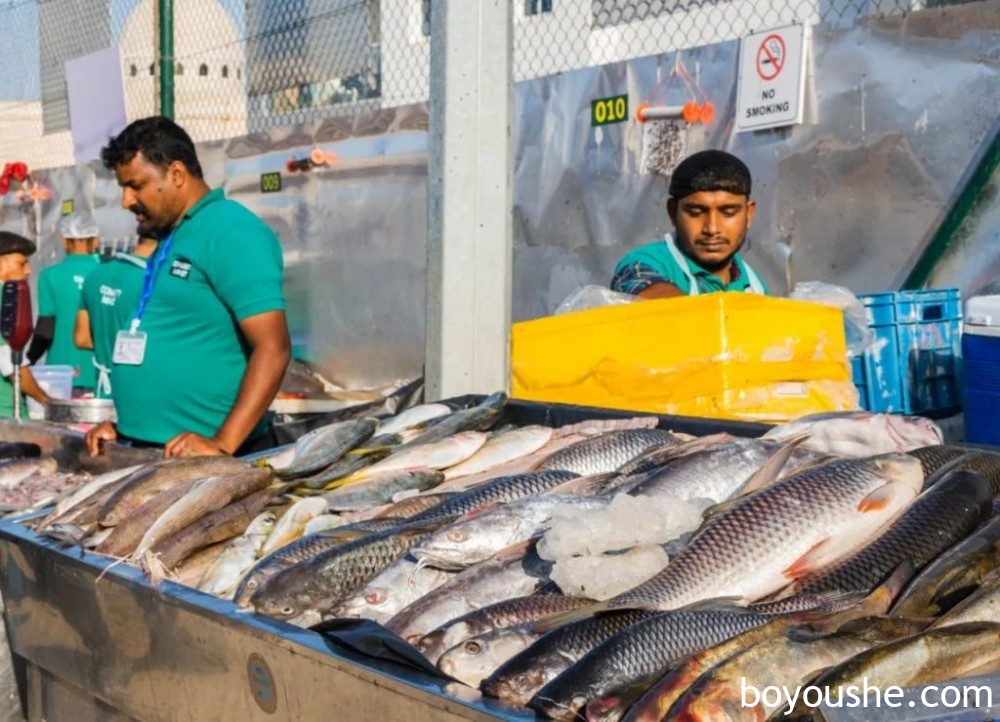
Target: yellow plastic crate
x=722, y=355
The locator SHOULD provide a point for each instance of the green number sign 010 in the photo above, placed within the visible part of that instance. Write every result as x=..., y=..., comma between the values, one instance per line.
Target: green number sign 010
x=605, y=111
x=270, y=182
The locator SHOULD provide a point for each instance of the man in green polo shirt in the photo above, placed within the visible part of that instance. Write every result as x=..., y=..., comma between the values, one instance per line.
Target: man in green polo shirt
x=59, y=289
x=207, y=345
x=711, y=210
x=110, y=297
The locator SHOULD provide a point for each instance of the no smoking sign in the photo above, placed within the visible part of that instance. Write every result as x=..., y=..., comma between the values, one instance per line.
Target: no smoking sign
x=772, y=79
x=771, y=57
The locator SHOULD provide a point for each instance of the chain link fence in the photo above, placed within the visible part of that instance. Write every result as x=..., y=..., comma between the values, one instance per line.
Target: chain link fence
x=247, y=66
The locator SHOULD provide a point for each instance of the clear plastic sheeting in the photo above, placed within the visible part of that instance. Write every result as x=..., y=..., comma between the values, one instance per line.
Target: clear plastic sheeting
x=859, y=335
x=593, y=297
x=895, y=110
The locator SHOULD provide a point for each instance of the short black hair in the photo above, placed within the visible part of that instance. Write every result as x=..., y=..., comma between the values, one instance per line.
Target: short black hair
x=14, y=243
x=159, y=139
x=710, y=170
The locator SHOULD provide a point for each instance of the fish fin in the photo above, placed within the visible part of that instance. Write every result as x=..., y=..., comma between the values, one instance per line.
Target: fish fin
x=721, y=508
x=480, y=510
x=881, y=598
x=766, y=475
x=515, y=551
x=717, y=604
x=878, y=499
x=368, y=450
x=584, y=485
x=571, y=616
x=808, y=562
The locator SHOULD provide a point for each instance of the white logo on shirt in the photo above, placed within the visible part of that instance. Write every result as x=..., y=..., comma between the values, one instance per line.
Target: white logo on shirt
x=109, y=295
x=79, y=282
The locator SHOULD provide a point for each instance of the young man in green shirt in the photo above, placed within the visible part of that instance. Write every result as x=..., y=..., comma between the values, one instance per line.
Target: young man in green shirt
x=59, y=289
x=711, y=210
x=110, y=297
x=207, y=345
x=15, y=266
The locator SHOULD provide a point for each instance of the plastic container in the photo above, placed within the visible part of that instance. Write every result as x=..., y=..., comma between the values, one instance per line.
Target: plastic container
x=56, y=381
x=981, y=352
x=914, y=365
x=720, y=355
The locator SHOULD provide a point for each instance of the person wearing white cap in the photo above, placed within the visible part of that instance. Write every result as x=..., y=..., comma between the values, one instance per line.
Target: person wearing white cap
x=59, y=290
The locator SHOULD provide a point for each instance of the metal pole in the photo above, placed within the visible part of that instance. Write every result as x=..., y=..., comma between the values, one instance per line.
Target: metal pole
x=16, y=358
x=470, y=199
x=166, y=12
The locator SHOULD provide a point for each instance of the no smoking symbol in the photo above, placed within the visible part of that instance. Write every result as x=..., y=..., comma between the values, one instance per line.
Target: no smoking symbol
x=771, y=57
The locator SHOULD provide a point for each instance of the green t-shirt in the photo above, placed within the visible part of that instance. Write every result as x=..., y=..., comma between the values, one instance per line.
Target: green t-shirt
x=59, y=289
x=110, y=297
x=223, y=266
x=7, y=385
x=662, y=261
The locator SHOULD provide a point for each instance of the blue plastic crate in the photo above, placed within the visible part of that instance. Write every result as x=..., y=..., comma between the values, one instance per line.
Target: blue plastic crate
x=914, y=365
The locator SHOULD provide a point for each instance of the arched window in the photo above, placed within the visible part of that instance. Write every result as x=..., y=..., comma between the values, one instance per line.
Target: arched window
x=239, y=73
x=225, y=71
x=179, y=70
x=132, y=70
x=203, y=70
x=152, y=68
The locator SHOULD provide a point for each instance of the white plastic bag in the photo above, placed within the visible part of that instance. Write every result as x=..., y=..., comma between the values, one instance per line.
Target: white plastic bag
x=592, y=297
x=859, y=335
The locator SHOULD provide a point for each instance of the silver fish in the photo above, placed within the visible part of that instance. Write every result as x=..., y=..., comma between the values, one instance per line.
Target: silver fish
x=515, y=572
x=478, y=536
x=782, y=532
x=607, y=452
x=323, y=446
x=502, y=615
x=400, y=584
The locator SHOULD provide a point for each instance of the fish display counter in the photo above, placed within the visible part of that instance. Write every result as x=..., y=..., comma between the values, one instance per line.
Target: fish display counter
x=482, y=558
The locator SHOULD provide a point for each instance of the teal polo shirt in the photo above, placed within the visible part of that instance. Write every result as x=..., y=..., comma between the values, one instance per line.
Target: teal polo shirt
x=110, y=297
x=657, y=262
x=59, y=290
x=224, y=266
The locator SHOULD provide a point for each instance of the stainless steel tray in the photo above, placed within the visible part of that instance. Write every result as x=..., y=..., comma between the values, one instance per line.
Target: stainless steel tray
x=80, y=411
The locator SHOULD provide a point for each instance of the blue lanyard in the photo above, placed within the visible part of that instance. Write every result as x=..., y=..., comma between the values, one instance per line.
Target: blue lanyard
x=149, y=279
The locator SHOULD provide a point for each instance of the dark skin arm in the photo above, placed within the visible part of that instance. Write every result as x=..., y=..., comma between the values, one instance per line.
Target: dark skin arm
x=267, y=335
x=82, y=337
x=31, y=387
x=661, y=290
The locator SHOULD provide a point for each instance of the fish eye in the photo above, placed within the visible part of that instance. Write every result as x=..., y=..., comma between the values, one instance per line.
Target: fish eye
x=288, y=611
x=473, y=647
x=459, y=535
x=251, y=584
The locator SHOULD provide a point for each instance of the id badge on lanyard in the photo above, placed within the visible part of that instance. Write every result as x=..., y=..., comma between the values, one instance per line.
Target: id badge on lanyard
x=130, y=345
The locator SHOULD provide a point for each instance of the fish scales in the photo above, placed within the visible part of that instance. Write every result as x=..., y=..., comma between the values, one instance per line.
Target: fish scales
x=303, y=549
x=940, y=517
x=774, y=525
x=508, y=613
x=318, y=584
x=607, y=452
x=520, y=677
x=504, y=489
x=643, y=649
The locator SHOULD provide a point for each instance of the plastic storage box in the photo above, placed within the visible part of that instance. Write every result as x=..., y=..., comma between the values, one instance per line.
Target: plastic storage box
x=719, y=355
x=914, y=366
x=981, y=351
x=56, y=381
